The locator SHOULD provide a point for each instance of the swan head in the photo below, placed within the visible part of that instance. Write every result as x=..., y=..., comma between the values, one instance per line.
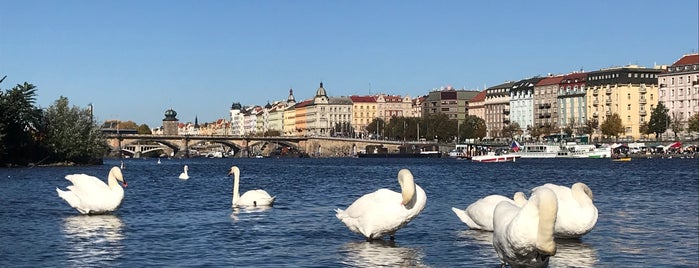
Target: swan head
x=579, y=186
x=520, y=198
x=407, y=185
x=186, y=168
x=234, y=171
x=116, y=173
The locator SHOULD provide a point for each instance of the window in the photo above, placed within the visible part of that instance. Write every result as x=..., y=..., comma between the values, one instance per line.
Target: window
x=628, y=107
x=628, y=118
x=629, y=96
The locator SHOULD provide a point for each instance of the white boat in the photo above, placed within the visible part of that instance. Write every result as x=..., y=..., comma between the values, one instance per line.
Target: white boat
x=538, y=150
x=573, y=150
x=459, y=151
x=492, y=157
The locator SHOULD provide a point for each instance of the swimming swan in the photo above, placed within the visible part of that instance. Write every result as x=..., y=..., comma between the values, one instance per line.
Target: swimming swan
x=383, y=212
x=184, y=174
x=479, y=215
x=577, y=215
x=252, y=198
x=523, y=236
x=90, y=195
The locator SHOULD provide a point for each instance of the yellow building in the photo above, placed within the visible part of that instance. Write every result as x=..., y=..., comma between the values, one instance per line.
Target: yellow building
x=629, y=91
x=364, y=110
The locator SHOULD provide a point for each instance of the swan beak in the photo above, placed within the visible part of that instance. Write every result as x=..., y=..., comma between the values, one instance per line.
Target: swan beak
x=125, y=184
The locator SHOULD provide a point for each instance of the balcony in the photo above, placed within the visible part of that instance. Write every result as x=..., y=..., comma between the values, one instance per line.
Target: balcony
x=608, y=102
x=642, y=113
x=595, y=102
x=595, y=114
x=662, y=85
x=608, y=113
x=595, y=92
x=642, y=101
x=608, y=91
x=547, y=115
x=506, y=121
x=506, y=111
x=642, y=90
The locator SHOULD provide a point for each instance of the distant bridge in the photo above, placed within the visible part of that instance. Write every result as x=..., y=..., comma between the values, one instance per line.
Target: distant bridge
x=241, y=146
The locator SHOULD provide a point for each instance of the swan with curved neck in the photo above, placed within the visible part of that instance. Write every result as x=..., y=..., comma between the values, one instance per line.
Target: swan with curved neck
x=90, y=195
x=384, y=212
x=577, y=214
x=479, y=215
x=184, y=175
x=523, y=236
x=252, y=198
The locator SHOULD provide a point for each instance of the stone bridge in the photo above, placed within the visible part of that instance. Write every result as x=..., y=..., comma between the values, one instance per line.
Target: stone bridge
x=240, y=146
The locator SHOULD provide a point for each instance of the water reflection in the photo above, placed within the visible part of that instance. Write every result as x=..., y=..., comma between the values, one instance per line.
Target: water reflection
x=255, y=213
x=573, y=253
x=381, y=253
x=93, y=239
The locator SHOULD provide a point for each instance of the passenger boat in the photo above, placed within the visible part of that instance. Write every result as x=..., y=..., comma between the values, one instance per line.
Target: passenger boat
x=538, y=151
x=492, y=157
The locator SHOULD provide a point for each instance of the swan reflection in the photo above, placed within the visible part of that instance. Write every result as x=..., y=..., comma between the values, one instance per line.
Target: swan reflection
x=573, y=253
x=381, y=253
x=93, y=239
x=255, y=212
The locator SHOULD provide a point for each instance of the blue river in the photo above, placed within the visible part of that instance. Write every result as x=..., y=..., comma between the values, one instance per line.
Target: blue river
x=648, y=214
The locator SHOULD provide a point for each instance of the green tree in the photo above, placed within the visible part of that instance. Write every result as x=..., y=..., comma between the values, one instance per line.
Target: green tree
x=693, y=123
x=71, y=135
x=676, y=126
x=612, y=126
x=144, y=129
x=473, y=127
x=590, y=126
x=376, y=127
x=659, y=121
x=511, y=130
x=19, y=118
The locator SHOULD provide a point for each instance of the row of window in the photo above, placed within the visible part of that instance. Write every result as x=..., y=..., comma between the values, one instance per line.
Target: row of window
x=680, y=79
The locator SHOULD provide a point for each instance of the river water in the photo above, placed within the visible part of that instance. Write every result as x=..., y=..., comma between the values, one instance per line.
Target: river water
x=648, y=214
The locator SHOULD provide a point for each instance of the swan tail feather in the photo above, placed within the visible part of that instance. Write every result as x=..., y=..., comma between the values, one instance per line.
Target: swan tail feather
x=465, y=218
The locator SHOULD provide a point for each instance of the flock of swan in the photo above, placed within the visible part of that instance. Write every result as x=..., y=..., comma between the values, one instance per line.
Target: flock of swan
x=523, y=230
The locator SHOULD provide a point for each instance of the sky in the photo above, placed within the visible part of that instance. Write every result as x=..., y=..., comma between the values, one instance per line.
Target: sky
x=133, y=60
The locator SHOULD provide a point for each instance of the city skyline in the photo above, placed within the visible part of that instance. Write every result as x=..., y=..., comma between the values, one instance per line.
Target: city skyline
x=134, y=60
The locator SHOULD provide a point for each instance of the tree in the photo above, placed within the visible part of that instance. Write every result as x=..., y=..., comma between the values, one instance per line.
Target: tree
x=376, y=127
x=144, y=129
x=693, y=123
x=676, y=125
x=473, y=128
x=659, y=121
x=590, y=126
x=511, y=130
x=19, y=118
x=643, y=128
x=71, y=135
x=612, y=126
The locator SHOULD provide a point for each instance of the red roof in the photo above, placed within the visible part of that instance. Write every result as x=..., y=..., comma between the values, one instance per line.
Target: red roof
x=551, y=80
x=479, y=97
x=687, y=60
x=355, y=98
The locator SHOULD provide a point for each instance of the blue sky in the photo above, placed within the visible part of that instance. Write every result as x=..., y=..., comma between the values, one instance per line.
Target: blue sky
x=135, y=59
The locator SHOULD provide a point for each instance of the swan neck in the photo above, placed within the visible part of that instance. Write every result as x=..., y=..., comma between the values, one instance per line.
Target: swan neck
x=236, y=181
x=547, y=205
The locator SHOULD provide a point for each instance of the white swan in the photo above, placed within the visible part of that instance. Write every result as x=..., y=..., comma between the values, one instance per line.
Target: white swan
x=90, y=195
x=479, y=215
x=577, y=215
x=523, y=236
x=252, y=198
x=184, y=174
x=383, y=212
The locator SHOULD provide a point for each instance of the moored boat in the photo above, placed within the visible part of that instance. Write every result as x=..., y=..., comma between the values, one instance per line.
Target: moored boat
x=492, y=157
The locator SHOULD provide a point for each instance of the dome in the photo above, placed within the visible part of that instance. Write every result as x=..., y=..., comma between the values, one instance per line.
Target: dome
x=170, y=115
x=321, y=91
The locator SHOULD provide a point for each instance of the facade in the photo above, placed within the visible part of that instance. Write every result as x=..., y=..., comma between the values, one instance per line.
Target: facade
x=391, y=105
x=572, y=108
x=522, y=104
x=453, y=103
x=170, y=123
x=237, y=119
x=679, y=89
x=497, y=109
x=630, y=91
x=339, y=115
x=476, y=106
x=417, y=106
x=546, y=102
x=364, y=110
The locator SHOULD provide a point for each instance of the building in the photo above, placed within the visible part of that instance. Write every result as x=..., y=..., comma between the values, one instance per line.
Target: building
x=237, y=119
x=572, y=108
x=389, y=106
x=476, y=106
x=546, y=104
x=679, y=89
x=630, y=91
x=170, y=123
x=522, y=104
x=497, y=109
x=453, y=103
x=364, y=110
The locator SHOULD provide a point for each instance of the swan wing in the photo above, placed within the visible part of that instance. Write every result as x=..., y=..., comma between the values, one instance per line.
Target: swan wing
x=256, y=198
x=481, y=211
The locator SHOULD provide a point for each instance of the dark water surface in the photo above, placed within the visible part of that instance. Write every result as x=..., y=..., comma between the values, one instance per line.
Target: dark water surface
x=648, y=214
